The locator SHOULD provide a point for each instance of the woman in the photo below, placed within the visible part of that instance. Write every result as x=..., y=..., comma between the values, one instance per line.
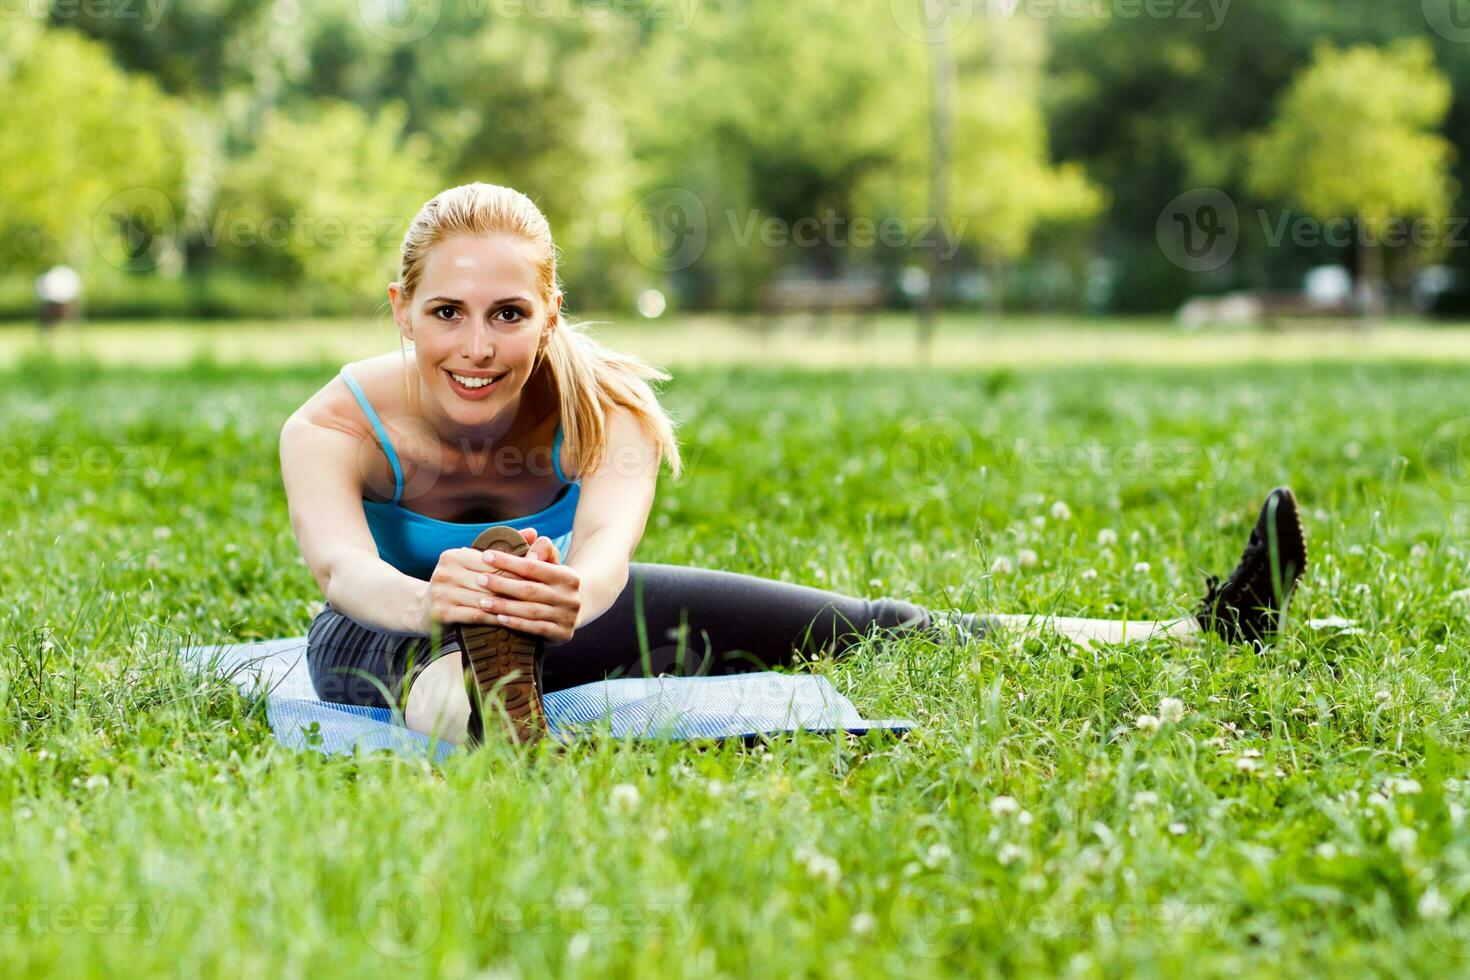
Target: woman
x=403, y=474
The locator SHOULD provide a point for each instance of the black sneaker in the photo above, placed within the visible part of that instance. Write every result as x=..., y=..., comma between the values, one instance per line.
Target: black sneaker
x=1247, y=607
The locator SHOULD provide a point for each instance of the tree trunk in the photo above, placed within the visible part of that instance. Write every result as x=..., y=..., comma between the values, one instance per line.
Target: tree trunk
x=941, y=97
x=1370, y=276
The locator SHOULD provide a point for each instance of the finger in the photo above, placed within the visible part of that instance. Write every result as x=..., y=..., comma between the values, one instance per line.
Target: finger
x=531, y=568
x=522, y=610
x=463, y=606
x=514, y=587
x=538, y=627
x=529, y=533
x=545, y=549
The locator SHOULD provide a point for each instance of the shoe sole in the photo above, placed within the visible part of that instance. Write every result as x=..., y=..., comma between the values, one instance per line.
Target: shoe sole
x=1300, y=540
x=504, y=663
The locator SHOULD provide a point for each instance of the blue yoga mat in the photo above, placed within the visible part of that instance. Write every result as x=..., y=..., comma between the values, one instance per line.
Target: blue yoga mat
x=733, y=706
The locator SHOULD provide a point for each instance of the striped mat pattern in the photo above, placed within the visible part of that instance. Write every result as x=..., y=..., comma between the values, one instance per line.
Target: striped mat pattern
x=742, y=706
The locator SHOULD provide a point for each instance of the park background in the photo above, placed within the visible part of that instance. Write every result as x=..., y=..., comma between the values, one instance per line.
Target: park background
x=1132, y=264
x=222, y=158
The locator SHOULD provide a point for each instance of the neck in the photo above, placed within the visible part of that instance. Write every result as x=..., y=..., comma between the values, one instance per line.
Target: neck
x=506, y=427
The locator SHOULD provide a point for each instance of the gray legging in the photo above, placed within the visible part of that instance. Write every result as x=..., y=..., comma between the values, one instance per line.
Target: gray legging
x=695, y=621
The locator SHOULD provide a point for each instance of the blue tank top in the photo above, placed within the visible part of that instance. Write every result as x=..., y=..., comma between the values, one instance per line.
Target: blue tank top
x=412, y=542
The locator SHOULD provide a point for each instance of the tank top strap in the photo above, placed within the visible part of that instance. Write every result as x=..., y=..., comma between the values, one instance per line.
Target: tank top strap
x=556, y=456
x=382, y=433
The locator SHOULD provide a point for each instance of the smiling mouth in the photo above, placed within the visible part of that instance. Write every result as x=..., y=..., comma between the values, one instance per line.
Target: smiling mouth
x=474, y=383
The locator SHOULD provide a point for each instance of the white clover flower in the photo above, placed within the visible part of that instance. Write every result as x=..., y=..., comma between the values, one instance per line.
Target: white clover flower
x=1418, y=553
x=1060, y=511
x=1003, y=806
x=1107, y=537
x=1327, y=851
x=863, y=924
x=715, y=788
x=1147, y=723
x=1178, y=829
x=1026, y=558
x=1433, y=905
x=1381, y=696
x=823, y=867
x=1404, y=787
x=1145, y=798
x=1171, y=710
x=623, y=798
x=1024, y=818
x=1088, y=574
x=96, y=781
x=1001, y=566
x=1245, y=765
x=937, y=855
x=1038, y=522
x=1008, y=853
x=1143, y=568
x=1403, y=840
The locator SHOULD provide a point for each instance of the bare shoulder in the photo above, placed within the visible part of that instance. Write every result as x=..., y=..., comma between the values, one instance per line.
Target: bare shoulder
x=335, y=408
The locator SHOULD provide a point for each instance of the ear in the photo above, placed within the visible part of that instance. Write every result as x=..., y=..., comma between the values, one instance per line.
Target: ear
x=401, y=314
x=553, y=321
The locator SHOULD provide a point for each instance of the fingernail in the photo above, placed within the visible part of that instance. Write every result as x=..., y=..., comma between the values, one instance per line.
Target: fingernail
x=490, y=557
x=487, y=604
x=483, y=580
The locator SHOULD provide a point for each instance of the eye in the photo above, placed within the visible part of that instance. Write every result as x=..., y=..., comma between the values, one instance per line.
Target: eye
x=515, y=314
x=442, y=309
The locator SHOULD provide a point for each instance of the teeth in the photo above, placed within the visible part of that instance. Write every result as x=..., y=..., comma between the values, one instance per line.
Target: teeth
x=472, y=382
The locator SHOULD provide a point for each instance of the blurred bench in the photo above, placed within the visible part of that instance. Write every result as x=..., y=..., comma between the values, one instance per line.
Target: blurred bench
x=1268, y=309
x=816, y=301
x=1286, y=309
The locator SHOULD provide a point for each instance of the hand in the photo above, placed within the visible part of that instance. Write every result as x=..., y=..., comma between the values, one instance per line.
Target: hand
x=454, y=591
x=534, y=594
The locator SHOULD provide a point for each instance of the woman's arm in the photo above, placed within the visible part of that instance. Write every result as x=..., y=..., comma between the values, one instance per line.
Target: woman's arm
x=536, y=596
x=319, y=466
x=612, y=513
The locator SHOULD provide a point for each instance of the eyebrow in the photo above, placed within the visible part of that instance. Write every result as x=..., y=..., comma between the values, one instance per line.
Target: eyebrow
x=459, y=302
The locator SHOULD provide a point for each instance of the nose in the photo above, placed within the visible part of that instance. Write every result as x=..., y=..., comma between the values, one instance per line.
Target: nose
x=481, y=342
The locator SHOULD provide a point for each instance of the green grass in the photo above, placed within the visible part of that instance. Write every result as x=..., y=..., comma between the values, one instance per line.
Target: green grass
x=154, y=826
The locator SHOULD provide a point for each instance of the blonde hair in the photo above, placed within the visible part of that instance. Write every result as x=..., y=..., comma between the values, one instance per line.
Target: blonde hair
x=588, y=377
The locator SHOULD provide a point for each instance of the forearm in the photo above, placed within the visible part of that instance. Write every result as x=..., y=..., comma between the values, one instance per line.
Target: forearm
x=368, y=590
x=601, y=560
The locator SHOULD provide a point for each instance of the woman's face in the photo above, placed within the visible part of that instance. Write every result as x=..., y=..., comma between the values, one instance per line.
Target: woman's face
x=477, y=321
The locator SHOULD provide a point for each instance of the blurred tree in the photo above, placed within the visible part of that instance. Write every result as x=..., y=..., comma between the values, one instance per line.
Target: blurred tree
x=1356, y=136
x=324, y=199
x=1158, y=104
x=95, y=157
x=782, y=115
